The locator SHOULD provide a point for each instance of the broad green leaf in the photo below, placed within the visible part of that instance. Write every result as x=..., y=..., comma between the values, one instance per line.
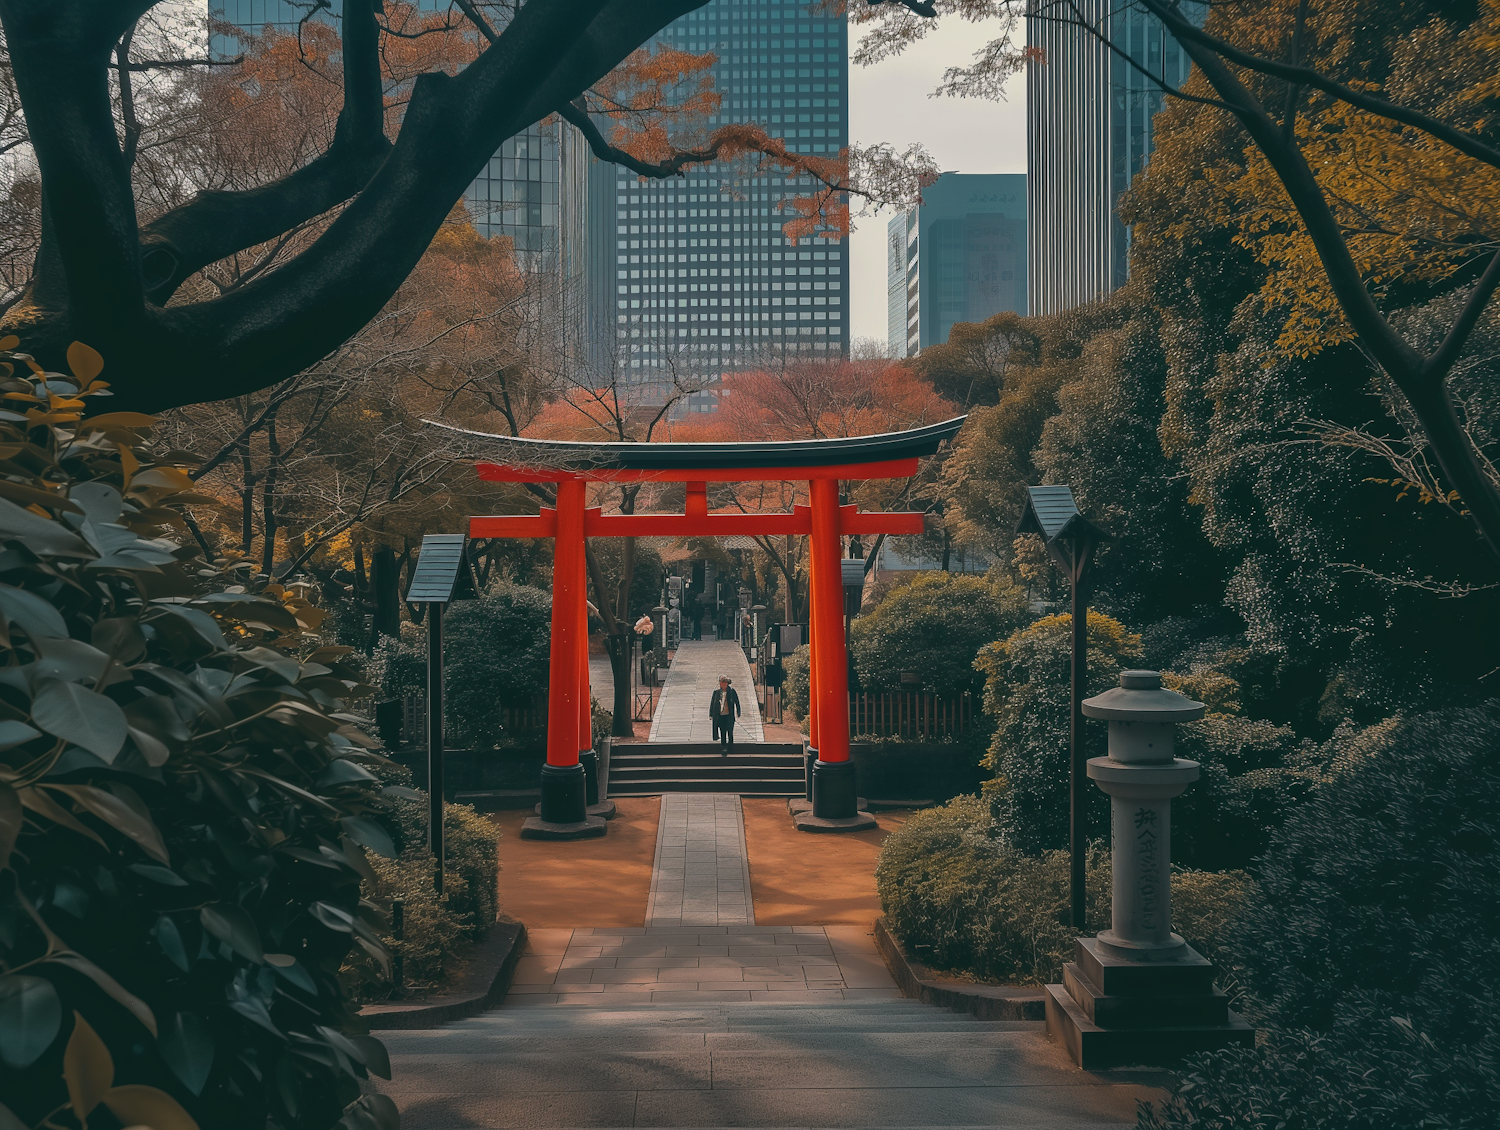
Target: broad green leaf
x=35, y=615
x=71, y=661
x=138, y=1105
x=163, y=875
x=120, y=636
x=100, y=501
x=79, y=715
x=12, y=816
x=187, y=1044
x=121, y=815
x=42, y=536
x=30, y=1016
x=373, y=1052
x=42, y=804
x=343, y=772
x=88, y=1068
x=298, y=975
x=199, y=623
x=169, y=938
x=232, y=925
x=363, y=830
x=13, y=733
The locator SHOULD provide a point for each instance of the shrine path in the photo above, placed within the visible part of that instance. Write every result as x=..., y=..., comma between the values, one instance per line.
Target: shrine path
x=682, y=713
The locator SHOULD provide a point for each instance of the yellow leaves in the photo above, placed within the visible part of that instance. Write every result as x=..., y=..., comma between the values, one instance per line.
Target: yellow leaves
x=84, y=361
x=89, y=1072
x=88, y=1069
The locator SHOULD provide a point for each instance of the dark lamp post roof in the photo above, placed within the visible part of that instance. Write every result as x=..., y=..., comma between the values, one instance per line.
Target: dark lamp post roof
x=442, y=573
x=1140, y=697
x=756, y=453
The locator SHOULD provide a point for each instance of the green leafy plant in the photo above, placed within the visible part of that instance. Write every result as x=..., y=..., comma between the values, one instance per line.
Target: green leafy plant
x=184, y=803
x=496, y=651
x=1369, y=958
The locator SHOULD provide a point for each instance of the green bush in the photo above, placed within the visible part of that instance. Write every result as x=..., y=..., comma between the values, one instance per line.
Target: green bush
x=1027, y=695
x=794, y=688
x=496, y=650
x=438, y=928
x=961, y=898
x=183, y=802
x=1371, y=957
x=933, y=626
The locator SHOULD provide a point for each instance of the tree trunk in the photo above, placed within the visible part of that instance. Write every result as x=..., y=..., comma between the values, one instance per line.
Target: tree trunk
x=619, y=664
x=385, y=582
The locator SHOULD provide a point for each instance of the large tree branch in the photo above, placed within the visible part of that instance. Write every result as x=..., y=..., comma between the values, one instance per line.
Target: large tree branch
x=216, y=224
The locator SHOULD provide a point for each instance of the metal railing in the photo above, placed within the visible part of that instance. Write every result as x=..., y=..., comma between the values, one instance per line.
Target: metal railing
x=913, y=715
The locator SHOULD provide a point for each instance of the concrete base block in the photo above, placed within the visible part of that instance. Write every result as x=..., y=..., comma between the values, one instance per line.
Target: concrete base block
x=535, y=828
x=1093, y=1047
x=797, y=805
x=859, y=822
x=605, y=809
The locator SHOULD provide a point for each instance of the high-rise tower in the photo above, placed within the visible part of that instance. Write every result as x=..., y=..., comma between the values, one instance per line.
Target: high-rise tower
x=1088, y=132
x=704, y=281
x=959, y=256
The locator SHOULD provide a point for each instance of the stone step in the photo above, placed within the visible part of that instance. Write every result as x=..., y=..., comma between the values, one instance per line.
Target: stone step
x=652, y=785
x=679, y=761
x=725, y=768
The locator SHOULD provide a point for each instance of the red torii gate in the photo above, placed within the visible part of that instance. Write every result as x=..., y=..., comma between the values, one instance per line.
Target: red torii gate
x=823, y=464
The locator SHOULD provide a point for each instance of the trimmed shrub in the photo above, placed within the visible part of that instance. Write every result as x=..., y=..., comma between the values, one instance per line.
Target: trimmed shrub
x=961, y=898
x=1371, y=956
x=794, y=689
x=438, y=928
x=1027, y=694
x=933, y=626
x=495, y=655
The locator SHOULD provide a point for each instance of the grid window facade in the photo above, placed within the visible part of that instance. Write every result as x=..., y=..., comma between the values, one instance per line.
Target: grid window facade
x=705, y=281
x=1089, y=130
x=964, y=261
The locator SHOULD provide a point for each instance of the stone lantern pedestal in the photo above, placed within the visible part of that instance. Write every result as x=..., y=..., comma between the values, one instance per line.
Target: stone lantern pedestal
x=1138, y=993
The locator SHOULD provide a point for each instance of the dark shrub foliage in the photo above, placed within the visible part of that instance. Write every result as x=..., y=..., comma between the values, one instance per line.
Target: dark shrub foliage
x=933, y=626
x=182, y=803
x=1372, y=956
x=960, y=897
x=495, y=655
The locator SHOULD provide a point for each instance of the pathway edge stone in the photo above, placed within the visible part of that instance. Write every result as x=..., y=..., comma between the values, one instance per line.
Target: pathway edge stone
x=984, y=1002
x=485, y=983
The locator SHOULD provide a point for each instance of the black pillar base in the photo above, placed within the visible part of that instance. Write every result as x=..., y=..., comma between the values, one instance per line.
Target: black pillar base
x=564, y=795
x=834, y=794
x=590, y=762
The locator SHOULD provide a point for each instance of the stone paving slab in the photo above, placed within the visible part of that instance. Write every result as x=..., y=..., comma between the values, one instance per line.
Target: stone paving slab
x=673, y=966
x=701, y=873
x=682, y=710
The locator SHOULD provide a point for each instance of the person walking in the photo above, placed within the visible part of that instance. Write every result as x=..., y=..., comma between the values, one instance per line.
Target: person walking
x=721, y=712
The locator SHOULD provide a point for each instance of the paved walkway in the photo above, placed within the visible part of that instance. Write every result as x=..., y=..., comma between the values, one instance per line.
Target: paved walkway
x=701, y=873
x=682, y=712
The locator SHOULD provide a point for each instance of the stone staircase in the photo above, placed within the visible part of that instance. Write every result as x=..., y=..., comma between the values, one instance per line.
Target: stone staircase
x=751, y=769
x=875, y=1063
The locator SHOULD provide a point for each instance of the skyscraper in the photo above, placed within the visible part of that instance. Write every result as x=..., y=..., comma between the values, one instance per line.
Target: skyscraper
x=704, y=281
x=959, y=256
x=1088, y=132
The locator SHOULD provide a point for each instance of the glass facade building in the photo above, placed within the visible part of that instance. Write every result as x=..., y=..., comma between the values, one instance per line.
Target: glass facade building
x=703, y=280
x=1089, y=116
x=959, y=256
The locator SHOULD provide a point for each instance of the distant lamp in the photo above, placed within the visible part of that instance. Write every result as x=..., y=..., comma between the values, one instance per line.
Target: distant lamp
x=1070, y=539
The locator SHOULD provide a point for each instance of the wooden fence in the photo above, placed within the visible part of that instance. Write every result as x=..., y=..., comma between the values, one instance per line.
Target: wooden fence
x=913, y=715
x=516, y=719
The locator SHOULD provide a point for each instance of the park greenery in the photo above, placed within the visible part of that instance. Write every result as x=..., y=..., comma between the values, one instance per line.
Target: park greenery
x=1286, y=420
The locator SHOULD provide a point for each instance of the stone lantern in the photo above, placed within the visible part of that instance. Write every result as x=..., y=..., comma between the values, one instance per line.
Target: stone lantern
x=1138, y=993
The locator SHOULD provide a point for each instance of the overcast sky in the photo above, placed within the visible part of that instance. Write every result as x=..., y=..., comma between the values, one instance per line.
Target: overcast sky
x=889, y=102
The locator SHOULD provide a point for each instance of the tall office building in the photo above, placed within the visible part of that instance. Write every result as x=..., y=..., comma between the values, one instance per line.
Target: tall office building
x=1088, y=132
x=959, y=256
x=704, y=282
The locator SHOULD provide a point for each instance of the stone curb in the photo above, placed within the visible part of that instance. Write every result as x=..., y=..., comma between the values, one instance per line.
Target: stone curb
x=985, y=1002
x=486, y=982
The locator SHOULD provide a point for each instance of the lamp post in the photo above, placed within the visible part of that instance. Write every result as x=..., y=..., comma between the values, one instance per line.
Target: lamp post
x=1070, y=539
x=1138, y=993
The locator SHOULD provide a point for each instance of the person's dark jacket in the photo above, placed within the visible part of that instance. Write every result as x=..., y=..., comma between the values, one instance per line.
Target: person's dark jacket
x=730, y=705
